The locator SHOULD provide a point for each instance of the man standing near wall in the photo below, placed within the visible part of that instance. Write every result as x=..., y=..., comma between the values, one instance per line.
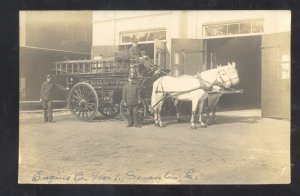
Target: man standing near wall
x=47, y=92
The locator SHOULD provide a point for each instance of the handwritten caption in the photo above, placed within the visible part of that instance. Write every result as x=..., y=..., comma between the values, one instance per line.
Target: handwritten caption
x=188, y=175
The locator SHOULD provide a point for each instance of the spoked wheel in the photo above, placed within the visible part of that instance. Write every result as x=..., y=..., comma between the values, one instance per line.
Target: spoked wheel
x=109, y=110
x=83, y=101
x=141, y=110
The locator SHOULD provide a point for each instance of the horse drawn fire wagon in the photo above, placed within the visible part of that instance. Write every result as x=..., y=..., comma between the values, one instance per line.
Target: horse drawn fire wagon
x=96, y=85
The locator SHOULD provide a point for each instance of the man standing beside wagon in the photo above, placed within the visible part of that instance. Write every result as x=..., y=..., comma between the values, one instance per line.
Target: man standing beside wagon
x=47, y=92
x=131, y=97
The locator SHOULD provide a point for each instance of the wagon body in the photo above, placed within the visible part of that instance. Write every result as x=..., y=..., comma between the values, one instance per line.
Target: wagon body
x=96, y=85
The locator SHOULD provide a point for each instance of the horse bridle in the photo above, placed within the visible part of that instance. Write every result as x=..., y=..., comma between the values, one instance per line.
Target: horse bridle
x=222, y=83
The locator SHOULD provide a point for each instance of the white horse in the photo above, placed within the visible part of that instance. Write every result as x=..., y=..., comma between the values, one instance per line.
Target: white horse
x=191, y=88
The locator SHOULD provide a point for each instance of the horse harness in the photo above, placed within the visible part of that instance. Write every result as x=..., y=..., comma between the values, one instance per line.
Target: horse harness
x=203, y=85
x=165, y=94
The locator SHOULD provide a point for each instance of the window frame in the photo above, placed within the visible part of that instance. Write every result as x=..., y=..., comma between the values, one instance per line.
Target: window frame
x=137, y=32
x=227, y=24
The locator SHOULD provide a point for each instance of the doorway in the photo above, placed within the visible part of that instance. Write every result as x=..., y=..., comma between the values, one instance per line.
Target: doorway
x=246, y=53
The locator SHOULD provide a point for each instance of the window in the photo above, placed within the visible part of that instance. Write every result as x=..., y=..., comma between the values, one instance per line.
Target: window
x=245, y=28
x=210, y=30
x=151, y=36
x=221, y=30
x=236, y=28
x=126, y=38
x=142, y=36
x=233, y=29
x=161, y=35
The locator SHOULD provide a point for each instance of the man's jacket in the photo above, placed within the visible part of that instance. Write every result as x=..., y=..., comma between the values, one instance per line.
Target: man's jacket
x=134, y=52
x=47, y=90
x=131, y=94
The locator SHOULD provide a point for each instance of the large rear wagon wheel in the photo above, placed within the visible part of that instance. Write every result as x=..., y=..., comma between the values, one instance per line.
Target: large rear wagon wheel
x=141, y=110
x=83, y=101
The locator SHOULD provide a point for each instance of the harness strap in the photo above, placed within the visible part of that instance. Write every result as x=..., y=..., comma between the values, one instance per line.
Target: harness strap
x=203, y=83
x=160, y=83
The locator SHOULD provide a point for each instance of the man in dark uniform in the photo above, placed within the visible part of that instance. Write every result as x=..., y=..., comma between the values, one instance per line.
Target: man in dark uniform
x=131, y=95
x=146, y=66
x=47, y=89
x=134, y=51
x=134, y=54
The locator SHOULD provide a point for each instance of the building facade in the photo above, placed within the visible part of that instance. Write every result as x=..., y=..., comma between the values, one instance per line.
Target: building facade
x=187, y=42
x=46, y=37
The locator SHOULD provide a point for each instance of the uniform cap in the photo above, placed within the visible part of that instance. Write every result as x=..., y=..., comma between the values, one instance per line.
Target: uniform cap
x=48, y=76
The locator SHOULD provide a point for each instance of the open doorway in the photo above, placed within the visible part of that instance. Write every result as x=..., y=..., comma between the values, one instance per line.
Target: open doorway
x=246, y=53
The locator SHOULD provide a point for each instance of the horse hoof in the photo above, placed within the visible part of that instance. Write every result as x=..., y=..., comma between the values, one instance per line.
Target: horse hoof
x=203, y=126
x=193, y=127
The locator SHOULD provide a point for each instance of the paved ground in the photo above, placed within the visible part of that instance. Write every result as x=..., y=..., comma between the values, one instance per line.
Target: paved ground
x=242, y=148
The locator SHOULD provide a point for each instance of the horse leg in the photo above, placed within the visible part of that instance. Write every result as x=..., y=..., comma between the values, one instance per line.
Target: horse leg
x=156, y=116
x=207, y=114
x=194, y=107
x=214, y=108
x=207, y=108
x=178, y=109
x=192, y=121
x=157, y=109
x=214, y=115
x=160, y=124
x=202, y=124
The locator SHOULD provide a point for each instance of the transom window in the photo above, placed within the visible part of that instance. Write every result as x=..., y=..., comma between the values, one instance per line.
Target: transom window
x=142, y=36
x=233, y=28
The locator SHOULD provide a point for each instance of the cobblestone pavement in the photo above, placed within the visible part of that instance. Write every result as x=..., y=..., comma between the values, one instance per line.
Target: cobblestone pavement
x=242, y=148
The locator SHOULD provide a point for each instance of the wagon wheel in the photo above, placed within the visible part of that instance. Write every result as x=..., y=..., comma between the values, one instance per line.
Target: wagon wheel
x=109, y=109
x=141, y=110
x=83, y=101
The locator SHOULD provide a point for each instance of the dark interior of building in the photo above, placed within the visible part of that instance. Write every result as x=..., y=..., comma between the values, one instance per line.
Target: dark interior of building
x=246, y=53
x=34, y=65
